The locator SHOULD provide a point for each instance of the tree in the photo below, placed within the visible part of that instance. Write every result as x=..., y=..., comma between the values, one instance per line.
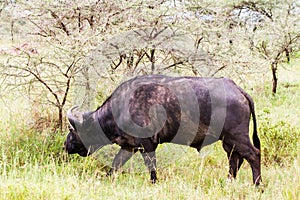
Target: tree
x=68, y=41
x=243, y=37
x=62, y=33
x=46, y=72
x=273, y=29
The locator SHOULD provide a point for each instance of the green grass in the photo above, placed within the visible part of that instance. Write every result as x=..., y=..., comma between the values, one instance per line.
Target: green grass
x=38, y=172
x=34, y=166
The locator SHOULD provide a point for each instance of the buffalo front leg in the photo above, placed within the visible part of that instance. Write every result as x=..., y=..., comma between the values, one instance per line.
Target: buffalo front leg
x=150, y=162
x=149, y=156
x=121, y=158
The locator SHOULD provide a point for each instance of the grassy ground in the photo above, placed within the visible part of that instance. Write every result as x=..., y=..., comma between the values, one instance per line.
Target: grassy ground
x=33, y=165
x=35, y=173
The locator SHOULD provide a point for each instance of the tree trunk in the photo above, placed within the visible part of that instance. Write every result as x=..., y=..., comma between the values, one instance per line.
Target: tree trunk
x=12, y=31
x=88, y=89
x=60, y=119
x=152, y=60
x=274, y=77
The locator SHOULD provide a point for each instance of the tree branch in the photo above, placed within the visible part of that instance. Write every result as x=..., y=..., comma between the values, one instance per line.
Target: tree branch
x=45, y=84
x=61, y=24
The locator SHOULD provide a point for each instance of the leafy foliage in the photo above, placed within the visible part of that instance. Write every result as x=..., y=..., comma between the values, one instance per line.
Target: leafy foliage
x=280, y=142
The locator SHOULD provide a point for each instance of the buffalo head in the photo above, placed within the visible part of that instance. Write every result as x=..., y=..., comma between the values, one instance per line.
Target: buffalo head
x=73, y=143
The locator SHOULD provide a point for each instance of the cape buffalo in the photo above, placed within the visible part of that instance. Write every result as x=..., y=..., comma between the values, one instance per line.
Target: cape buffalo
x=149, y=110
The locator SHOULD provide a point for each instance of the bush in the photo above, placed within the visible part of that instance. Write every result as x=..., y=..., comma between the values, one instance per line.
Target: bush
x=279, y=142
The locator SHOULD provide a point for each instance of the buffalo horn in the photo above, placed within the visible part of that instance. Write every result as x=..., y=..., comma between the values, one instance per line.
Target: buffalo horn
x=72, y=119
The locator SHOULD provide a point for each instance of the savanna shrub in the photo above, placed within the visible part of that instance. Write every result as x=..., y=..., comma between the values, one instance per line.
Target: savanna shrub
x=279, y=142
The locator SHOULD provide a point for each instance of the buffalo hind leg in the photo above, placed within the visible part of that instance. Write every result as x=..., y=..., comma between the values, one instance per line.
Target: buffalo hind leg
x=235, y=160
x=246, y=150
x=120, y=159
x=252, y=155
